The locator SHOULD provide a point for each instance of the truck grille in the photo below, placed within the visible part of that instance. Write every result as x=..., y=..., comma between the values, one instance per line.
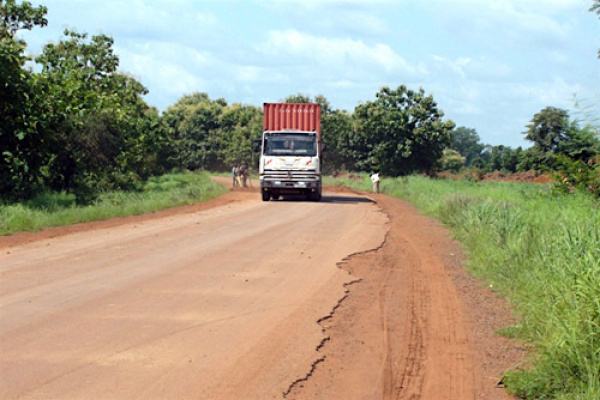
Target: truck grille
x=290, y=175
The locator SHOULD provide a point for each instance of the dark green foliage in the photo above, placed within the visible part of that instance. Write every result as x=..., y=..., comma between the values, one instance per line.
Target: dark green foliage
x=504, y=158
x=21, y=145
x=562, y=147
x=298, y=98
x=212, y=135
x=400, y=132
x=548, y=128
x=572, y=174
x=338, y=134
x=15, y=17
x=581, y=144
x=467, y=142
x=103, y=136
x=78, y=125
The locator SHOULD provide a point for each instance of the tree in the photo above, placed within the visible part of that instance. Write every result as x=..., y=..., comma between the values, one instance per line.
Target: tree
x=298, y=98
x=15, y=17
x=22, y=144
x=401, y=132
x=194, y=122
x=452, y=160
x=338, y=136
x=548, y=128
x=211, y=134
x=466, y=141
x=581, y=144
x=238, y=126
x=101, y=130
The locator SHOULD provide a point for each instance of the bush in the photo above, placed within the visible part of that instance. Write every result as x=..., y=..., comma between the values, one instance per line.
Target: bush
x=572, y=175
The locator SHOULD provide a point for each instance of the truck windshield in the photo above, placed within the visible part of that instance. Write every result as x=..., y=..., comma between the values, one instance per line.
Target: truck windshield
x=291, y=145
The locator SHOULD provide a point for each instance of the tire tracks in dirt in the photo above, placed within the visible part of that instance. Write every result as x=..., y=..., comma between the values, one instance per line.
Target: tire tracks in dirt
x=410, y=327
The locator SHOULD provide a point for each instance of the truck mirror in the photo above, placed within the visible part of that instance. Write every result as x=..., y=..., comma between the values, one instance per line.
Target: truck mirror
x=256, y=145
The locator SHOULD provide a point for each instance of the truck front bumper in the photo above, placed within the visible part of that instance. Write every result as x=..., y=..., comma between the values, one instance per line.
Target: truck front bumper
x=290, y=184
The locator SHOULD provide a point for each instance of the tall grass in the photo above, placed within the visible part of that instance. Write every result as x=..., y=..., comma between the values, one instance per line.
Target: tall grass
x=56, y=209
x=542, y=252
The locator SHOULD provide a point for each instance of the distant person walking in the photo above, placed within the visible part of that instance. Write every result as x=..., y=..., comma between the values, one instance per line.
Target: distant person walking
x=375, y=179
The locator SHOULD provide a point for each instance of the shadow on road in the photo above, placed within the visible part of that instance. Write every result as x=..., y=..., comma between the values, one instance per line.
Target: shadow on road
x=328, y=199
x=345, y=200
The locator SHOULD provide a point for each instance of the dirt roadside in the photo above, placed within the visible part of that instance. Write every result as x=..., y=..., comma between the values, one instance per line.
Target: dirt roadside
x=413, y=324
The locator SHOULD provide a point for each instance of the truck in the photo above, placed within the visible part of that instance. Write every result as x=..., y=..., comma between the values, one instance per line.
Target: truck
x=291, y=151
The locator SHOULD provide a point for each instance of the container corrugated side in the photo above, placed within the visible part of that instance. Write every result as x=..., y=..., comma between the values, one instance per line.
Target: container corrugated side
x=299, y=116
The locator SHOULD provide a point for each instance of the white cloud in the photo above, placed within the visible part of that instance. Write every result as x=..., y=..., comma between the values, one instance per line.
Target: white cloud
x=555, y=92
x=336, y=17
x=481, y=68
x=342, y=84
x=135, y=19
x=167, y=68
x=513, y=23
x=337, y=54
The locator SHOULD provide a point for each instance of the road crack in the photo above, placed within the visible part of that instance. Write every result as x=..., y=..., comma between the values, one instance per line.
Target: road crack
x=322, y=321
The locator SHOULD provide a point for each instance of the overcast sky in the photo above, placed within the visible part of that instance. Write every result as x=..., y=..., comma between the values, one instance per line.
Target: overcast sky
x=490, y=64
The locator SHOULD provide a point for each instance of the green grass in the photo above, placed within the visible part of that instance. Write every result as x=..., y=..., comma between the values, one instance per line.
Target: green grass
x=542, y=252
x=57, y=209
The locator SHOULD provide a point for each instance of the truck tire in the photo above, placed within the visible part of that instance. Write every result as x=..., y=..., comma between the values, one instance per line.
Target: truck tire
x=314, y=196
x=266, y=196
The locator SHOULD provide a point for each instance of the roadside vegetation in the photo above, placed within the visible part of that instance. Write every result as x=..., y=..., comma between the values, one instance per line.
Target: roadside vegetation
x=539, y=249
x=73, y=122
x=60, y=208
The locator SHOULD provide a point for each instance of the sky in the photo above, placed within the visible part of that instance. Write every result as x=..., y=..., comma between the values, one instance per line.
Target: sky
x=490, y=65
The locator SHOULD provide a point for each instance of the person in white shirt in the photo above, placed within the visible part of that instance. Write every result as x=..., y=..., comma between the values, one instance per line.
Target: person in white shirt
x=375, y=179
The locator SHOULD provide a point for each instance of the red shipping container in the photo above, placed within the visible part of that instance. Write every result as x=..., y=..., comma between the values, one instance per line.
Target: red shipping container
x=296, y=116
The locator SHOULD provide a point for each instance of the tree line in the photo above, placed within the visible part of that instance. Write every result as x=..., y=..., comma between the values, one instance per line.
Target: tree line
x=81, y=125
x=568, y=148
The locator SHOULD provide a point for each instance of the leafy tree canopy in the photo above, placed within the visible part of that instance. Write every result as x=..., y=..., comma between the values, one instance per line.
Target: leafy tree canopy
x=14, y=17
x=401, y=131
x=210, y=134
x=548, y=128
x=452, y=160
x=467, y=142
x=21, y=144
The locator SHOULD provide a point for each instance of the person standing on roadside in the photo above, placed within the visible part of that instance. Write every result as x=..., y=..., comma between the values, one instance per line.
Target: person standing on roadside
x=375, y=179
x=233, y=176
x=238, y=181
x=244, y=174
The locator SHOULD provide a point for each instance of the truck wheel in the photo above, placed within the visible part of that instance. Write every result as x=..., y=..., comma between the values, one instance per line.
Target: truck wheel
x=266, y=196
x=314, y=196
